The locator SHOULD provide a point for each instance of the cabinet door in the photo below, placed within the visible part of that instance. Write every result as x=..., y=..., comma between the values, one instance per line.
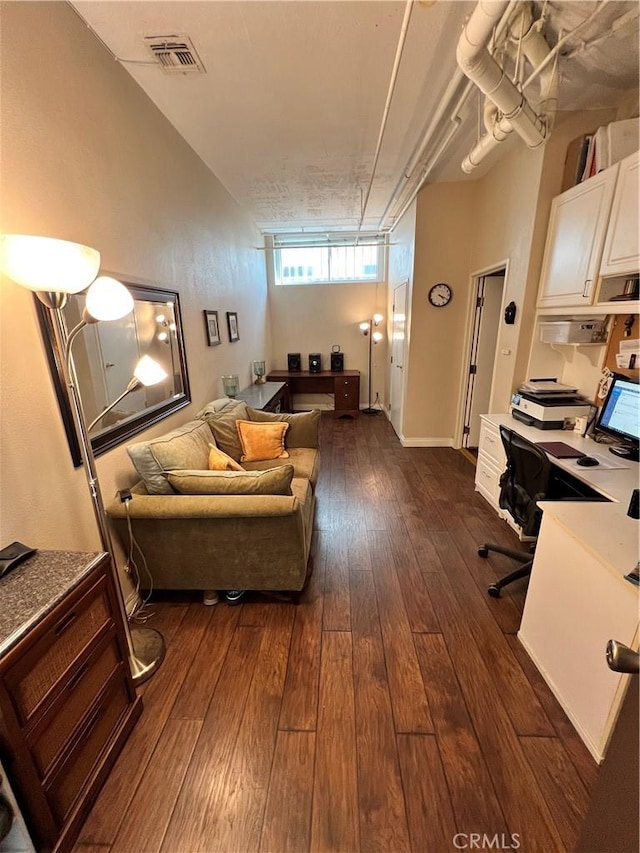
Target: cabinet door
x=622, y=246
x=575, y=240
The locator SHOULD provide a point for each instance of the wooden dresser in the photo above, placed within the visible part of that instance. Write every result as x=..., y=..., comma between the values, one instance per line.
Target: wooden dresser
x=67, y=701
x=344, y=385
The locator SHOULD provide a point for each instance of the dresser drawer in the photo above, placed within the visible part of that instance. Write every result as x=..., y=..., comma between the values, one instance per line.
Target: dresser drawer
x=488, y=479
x=53, y=732
x=96, y=734
x=347, y=393
x=491, y=444
x=50, y=660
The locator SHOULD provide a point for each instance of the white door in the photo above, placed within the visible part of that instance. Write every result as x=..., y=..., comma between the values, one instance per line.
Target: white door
x=399, y=328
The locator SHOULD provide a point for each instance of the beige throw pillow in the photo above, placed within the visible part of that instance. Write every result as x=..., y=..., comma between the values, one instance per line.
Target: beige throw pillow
x=223, y=427
x=274, y=481
x=262, y=440
x=219, y=461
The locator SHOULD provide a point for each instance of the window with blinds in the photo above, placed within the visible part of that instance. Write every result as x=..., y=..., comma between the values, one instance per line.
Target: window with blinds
x=328, y=259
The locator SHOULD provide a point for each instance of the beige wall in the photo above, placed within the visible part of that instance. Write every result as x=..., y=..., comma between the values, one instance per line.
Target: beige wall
x=444, y=233
x=312, y=318
x=87, y=157
x=466, y=228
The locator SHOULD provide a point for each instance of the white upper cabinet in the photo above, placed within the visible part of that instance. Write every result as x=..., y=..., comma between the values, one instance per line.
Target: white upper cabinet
x=575, y=239
x=622, y=246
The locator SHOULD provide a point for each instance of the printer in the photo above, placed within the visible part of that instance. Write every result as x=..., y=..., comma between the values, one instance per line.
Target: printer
x=547, y=404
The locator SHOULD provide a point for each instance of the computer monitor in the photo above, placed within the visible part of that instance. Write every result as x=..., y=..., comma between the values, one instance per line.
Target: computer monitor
x=619, y=417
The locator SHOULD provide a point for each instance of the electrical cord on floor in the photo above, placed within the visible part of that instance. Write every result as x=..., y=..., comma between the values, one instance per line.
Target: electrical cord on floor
x=141, y=613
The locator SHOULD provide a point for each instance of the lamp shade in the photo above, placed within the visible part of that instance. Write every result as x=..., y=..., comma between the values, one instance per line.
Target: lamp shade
x=377, y=318
x=376, y=336
x=149, y=371
x=108, y=299
x=46, y=264
x=364, y=327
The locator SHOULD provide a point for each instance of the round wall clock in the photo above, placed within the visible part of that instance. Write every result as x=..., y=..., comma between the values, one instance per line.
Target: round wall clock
x=440, y=295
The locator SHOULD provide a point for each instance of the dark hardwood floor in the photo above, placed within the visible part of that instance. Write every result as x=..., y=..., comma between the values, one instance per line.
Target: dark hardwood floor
x=389, y=711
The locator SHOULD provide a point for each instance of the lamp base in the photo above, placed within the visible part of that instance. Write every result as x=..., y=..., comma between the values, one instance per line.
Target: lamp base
x=149, y=649
x=260, y=380
x=370, y=411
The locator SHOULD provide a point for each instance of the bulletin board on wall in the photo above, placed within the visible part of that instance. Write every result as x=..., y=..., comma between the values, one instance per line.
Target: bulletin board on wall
x=623, y=327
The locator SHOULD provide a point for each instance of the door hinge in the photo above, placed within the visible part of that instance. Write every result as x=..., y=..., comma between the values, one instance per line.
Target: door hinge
x=473, y=369
x=479, y=301
x=391, y=359
x=466, y=430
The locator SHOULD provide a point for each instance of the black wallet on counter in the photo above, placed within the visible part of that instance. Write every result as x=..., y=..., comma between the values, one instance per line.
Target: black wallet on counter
x=13, y=555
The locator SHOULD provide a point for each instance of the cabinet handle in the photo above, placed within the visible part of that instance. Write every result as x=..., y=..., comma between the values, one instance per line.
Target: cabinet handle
x=77, y=678
x=64, y=623
x=587, y=285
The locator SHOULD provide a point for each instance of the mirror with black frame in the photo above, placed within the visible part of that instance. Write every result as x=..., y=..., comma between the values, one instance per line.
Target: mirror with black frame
x=105, y=355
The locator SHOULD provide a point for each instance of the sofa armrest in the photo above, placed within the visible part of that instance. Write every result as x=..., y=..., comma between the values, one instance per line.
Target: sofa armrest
x=204, y=506
x=304, y=427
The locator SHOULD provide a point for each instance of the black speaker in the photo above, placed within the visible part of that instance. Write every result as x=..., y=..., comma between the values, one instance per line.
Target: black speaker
x=337, y=361
x=315, y=362
x=294, y=362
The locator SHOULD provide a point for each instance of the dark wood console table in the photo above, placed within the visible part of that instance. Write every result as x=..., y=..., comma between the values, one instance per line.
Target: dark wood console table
x=343, y=384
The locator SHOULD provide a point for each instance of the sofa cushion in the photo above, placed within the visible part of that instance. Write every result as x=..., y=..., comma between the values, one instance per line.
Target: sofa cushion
x=305, y=461
x=185, y=447
x=215, y=406
x=223, y=427
x=220, y=461
x=303, y=426
x=275, y=481
x=262, y=441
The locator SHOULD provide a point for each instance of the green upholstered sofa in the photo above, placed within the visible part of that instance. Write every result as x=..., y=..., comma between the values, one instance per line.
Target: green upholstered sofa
x=222, y=541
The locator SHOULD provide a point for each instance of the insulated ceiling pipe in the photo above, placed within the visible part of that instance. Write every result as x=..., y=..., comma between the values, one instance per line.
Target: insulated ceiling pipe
x=481, y=68
x=537, y=51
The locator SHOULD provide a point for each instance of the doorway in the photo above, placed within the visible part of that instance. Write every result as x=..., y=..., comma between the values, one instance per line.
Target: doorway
x=485, y=327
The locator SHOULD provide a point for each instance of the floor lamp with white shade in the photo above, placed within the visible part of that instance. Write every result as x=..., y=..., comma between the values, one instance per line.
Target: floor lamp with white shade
x=367, y=328
x=53, y=269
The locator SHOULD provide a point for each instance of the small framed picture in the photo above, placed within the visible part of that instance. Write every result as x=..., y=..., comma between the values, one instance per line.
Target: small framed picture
x=232, y=323
x=212, y=328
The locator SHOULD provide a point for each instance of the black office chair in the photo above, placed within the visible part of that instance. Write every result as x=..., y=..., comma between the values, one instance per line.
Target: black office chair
x=527, y=480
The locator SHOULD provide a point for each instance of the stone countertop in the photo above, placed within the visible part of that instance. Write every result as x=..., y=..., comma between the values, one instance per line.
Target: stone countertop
x=36, y=586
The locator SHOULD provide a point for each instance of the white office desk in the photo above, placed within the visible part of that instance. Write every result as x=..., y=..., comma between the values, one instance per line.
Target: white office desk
x=577, y=597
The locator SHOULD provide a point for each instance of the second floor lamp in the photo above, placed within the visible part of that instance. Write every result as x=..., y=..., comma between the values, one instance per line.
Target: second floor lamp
x=369, y=330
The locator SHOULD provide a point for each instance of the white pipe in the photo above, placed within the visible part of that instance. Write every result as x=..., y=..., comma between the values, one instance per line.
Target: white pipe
x=392, y=85
x=443, y=106
x=477, y=63
x=537, y=51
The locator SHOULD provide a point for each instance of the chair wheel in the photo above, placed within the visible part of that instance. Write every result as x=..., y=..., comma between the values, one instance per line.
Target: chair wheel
x=494, y=590
x=483, y=552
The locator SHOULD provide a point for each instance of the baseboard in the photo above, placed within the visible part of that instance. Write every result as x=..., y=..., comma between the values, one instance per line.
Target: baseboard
x=426, y=442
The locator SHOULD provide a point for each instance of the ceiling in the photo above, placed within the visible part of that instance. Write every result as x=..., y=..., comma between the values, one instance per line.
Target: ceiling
x=289, y=111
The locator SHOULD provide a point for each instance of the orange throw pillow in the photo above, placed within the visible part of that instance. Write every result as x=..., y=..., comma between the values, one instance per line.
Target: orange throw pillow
x=262, y=440
x=219, y=461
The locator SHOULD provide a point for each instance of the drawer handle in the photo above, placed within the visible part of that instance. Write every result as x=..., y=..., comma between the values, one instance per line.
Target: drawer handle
x=491, y=439
x=77, y=678
x=485, y=475
x=65, y=622
x=587, y=284
x=92, y=722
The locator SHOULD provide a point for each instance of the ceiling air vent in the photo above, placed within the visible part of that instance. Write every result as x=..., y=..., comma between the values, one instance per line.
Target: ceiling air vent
x=175, y=54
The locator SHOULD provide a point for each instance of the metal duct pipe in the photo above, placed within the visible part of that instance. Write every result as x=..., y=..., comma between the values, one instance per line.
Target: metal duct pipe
x=480, y=67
